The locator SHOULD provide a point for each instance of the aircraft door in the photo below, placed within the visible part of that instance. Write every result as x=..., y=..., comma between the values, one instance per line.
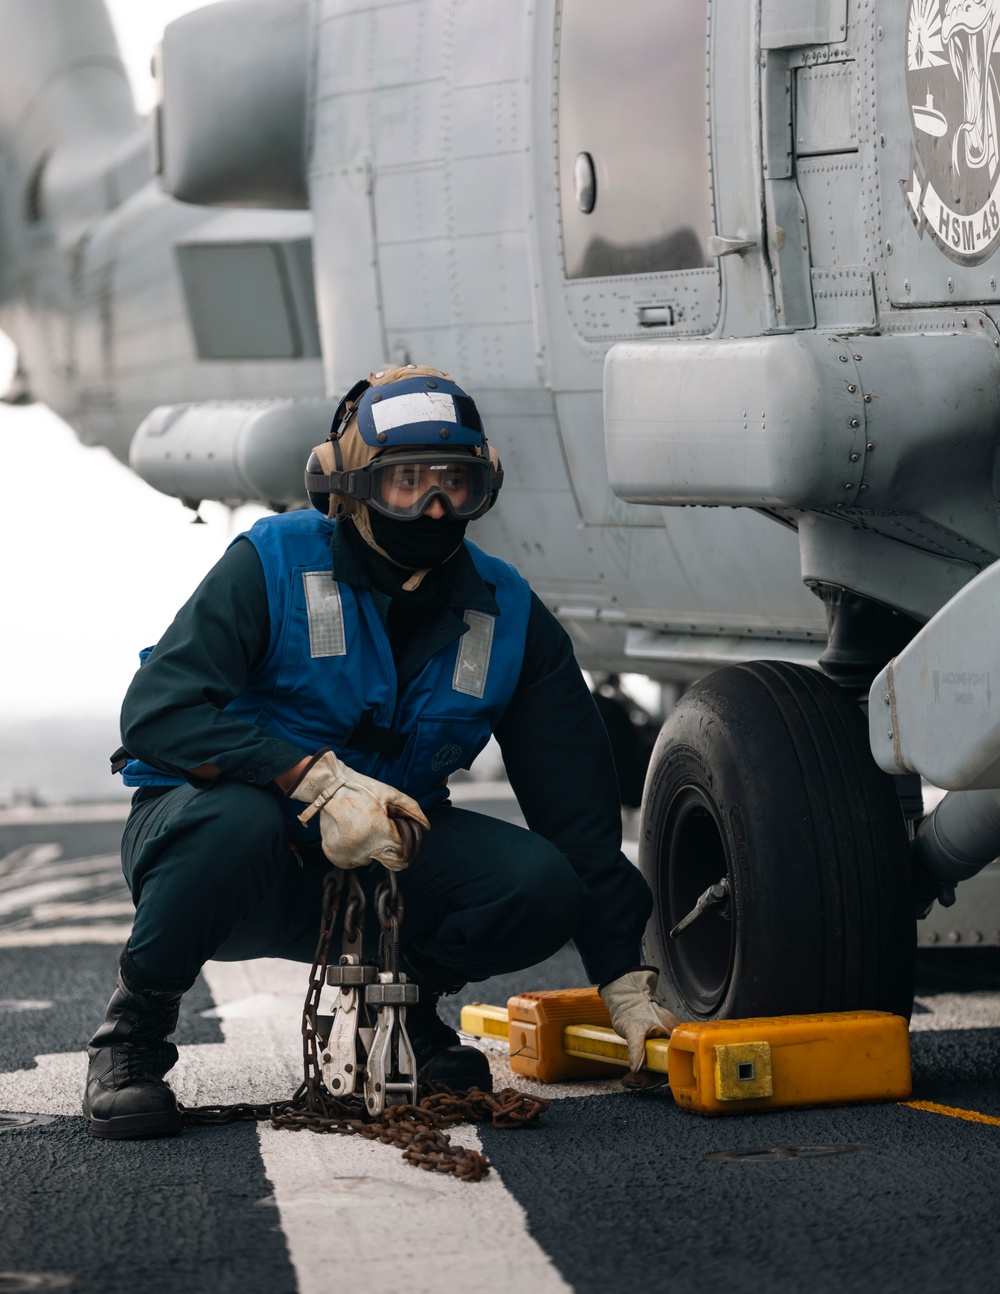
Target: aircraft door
x=634, y=191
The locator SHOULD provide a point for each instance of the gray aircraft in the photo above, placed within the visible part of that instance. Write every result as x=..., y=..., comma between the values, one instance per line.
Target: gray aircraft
x=722, y=276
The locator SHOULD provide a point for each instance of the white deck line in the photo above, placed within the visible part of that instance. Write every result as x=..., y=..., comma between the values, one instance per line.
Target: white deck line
x=353, y=1209
x=32, y=815
x=977, y=1010
x=63, y=936
x=354, y=1213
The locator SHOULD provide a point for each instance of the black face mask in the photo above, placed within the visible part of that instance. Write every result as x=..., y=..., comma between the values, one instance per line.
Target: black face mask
x=420, y=543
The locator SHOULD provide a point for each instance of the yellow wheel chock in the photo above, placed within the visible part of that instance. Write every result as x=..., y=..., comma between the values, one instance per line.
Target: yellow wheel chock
x=714, y=1066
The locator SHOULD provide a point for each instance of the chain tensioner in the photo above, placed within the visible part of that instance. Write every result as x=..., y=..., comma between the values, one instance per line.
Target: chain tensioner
x=360, y=1077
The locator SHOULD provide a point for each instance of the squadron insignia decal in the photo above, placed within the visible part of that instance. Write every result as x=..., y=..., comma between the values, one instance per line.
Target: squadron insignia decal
x=953, y=191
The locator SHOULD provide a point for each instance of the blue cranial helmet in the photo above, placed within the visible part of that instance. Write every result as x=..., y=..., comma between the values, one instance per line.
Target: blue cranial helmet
x=399, y=439
x=419, y=411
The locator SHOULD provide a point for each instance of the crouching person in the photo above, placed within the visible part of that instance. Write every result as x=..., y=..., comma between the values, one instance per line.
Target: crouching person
x=347, y=658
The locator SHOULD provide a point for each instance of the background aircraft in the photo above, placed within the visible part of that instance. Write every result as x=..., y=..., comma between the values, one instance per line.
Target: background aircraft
x=720, y=276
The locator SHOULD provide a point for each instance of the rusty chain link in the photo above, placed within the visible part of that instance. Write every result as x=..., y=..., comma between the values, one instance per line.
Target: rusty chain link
x=417, y=1130
x=389, y=907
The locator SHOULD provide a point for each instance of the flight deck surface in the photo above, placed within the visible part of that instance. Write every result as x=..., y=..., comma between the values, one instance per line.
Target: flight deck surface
x=612, y=1192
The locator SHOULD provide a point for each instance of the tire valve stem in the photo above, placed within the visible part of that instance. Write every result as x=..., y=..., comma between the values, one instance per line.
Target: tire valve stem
x=714, y=896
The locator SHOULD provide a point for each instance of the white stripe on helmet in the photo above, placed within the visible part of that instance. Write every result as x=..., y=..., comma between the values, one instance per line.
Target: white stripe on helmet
x=413, y=406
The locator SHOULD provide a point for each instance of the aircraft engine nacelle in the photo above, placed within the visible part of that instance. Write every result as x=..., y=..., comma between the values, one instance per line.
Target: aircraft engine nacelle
x=232, y=112
x=235, y=451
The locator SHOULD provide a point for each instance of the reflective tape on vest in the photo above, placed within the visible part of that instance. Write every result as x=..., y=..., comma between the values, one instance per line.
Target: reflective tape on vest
x=474, y=649
x=326, y=615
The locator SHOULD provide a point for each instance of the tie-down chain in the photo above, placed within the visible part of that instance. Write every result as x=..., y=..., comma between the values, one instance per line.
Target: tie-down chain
x=360, y=1077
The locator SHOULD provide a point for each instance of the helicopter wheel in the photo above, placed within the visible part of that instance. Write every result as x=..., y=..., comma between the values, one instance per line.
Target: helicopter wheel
x=776, y=852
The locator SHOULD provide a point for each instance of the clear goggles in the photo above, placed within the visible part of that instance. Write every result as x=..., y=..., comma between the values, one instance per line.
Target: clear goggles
x=404, y=487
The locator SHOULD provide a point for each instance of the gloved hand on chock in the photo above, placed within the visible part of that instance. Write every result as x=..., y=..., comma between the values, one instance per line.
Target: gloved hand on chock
x=357, y=823
x=635, y=1016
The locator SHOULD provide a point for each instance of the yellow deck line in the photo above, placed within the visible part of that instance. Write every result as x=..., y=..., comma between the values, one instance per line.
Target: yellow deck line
x=972, y=1116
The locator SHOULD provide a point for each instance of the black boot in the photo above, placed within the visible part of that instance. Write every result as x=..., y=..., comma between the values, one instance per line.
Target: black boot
x=126, y=1095
x=441, y=1058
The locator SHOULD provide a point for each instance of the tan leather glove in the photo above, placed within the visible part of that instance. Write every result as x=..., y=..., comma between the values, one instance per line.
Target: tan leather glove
x=357, y=824
x=636, y=1015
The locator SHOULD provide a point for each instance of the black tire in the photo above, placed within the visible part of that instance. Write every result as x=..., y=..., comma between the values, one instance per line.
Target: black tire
x=763, y=774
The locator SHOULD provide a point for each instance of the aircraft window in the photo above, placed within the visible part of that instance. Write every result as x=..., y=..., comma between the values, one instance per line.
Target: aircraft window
x=633, y=138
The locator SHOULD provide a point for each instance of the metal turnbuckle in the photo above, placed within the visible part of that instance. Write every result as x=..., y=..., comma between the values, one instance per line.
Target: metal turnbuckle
x=418, y=1129
x=391, y=1070
x=342, y=1054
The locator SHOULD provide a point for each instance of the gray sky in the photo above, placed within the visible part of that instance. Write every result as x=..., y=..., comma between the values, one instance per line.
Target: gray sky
x=90, y=581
